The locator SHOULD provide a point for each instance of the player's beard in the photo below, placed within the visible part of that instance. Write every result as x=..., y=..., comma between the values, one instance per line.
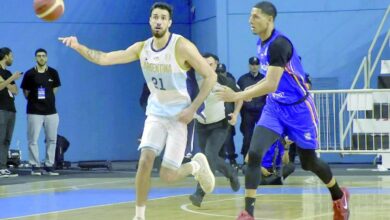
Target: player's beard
x=41, y=63
x=9, y=62
x=159, y=34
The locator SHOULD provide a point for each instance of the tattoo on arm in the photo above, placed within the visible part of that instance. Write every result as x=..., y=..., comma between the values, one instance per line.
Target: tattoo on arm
x=94, y=54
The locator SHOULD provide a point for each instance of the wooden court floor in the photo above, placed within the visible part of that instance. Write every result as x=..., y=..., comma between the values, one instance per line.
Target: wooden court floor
x=110, y=196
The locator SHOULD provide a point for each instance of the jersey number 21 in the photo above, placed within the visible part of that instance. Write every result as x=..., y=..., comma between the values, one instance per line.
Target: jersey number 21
x=158, y=83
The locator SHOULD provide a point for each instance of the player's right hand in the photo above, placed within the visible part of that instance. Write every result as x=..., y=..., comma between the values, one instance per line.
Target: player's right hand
x=186, y=115
x=17, y=75
x=71, y=41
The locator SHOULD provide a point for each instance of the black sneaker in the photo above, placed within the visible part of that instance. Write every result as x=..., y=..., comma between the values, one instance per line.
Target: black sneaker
x=50, y=171
x=234, y=182
x=233, y=163
x=196, y=199
x=36, y=171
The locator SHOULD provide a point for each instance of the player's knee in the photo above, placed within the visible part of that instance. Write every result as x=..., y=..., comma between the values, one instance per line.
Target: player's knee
x=146, y=162
x=254, y=158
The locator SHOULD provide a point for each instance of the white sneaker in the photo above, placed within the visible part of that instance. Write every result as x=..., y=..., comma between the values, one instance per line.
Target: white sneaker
x=3, y=174
x=50, y=171
x=204, y=175
x=7, y=173
x=138, y=218
x=36, y=171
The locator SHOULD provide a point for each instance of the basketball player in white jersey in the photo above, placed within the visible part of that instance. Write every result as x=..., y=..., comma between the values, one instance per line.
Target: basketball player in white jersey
x=165, y=59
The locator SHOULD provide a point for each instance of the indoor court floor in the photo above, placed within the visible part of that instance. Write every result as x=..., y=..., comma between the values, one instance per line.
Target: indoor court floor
x=109, y=195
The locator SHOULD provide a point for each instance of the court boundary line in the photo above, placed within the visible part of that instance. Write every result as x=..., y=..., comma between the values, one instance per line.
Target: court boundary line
x=88, y=207
x=185, y=208
x=71, y=187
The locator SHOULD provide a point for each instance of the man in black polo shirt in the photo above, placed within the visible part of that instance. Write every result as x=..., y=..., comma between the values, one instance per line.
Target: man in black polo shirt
x=229, y=149
x=39, y=85
x=8, y=90
x=250, y=111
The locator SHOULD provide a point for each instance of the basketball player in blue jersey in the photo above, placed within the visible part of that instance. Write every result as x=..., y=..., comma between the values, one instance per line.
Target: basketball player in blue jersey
x=165, y=59
x=289, y=110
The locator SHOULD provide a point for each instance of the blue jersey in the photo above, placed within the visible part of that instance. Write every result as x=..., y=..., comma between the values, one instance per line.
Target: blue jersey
x=289, y=110
x=292, y=86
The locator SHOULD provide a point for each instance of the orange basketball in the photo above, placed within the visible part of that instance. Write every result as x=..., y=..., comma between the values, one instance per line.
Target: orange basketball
x=49, y=10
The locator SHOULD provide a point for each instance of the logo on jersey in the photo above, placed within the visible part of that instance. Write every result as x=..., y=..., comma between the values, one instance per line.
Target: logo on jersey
x=157, y=68
x=307, y=136
x=278, y=95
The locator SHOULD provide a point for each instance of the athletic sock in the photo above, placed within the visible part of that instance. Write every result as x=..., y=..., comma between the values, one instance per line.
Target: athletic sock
x=250, y=205
x=140, y=211
x=336, y=192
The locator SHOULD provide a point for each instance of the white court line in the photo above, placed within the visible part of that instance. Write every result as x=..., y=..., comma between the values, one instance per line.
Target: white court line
x=88, y=207
x=184, y=207
x=72, y=187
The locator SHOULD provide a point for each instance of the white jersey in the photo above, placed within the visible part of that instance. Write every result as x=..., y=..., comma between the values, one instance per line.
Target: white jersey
x=165, y=78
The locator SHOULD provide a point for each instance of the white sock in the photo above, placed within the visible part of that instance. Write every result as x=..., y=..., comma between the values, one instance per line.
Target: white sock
x=195, y=167
x=140, y=211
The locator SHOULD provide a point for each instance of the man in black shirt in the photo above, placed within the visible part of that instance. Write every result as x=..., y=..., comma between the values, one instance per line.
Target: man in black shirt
x=39, y=87
x=250, y=111
x=229, y=149
x=212, y=129
x=8, y=90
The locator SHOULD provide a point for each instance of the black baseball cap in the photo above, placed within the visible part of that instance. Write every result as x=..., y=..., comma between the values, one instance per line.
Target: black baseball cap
x=254, y=61
x=221, y=68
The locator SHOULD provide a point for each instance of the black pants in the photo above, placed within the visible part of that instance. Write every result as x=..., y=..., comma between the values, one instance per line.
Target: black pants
x=248, y=122
x=228, y=150
x=262, y=139
x=7, y=123
x=211, y=138
x=292, y=152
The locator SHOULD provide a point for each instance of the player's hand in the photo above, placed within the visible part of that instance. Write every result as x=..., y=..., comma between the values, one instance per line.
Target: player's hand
x=17, y=75
x=265, y=172
x=226, y=94
x=186, y=115
x=71, y=41
x=233, y=119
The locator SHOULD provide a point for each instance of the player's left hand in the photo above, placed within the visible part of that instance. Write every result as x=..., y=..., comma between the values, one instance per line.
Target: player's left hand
x=226, y=94
x=186, y=115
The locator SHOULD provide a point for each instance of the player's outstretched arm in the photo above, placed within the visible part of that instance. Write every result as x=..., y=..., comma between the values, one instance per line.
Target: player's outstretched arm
x=269, y=85
x=102, y=58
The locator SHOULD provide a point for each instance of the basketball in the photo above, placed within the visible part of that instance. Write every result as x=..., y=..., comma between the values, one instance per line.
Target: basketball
x=49, y=10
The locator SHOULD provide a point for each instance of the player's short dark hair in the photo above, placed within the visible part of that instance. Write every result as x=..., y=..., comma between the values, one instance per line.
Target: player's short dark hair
x=40, y=50
x=267, y=8
x=4, y=51
x=207, y=55
x=163, y=6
